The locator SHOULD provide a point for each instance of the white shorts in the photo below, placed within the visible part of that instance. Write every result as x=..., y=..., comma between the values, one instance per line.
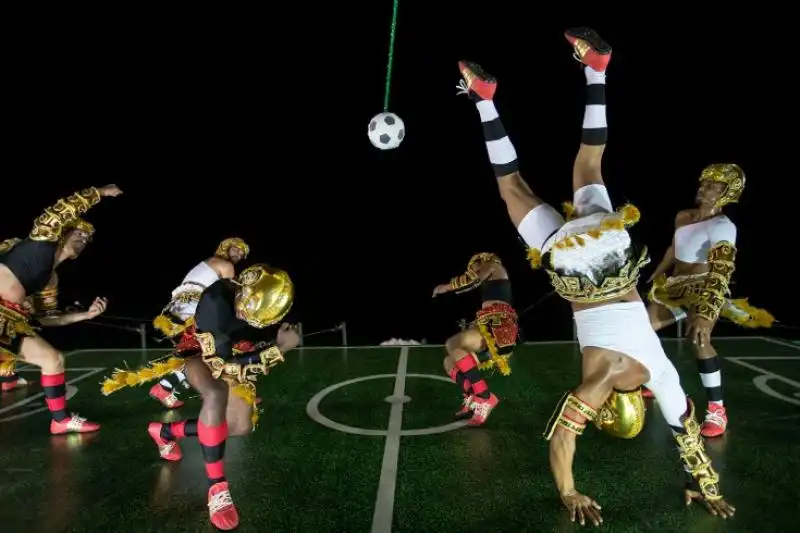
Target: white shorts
x=183, y=310
x=543, y=221
x=625, y=328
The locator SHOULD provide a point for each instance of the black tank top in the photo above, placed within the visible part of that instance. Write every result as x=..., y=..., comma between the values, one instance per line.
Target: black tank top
x=496, y=289
x=32, y=263
x=216, y=315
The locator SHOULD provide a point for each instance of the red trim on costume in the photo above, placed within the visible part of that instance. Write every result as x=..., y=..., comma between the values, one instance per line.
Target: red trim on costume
x=188, y=342
x=212, y=435
x=17, y=308
x=53, y=380
x=56, y=404
x=503, y=324
x=480, y=387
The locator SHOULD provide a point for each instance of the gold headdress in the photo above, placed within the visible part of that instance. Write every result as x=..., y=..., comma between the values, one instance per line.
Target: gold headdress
x=266, y=295
x=224, y=247
x=80, y=225
x=731, y=175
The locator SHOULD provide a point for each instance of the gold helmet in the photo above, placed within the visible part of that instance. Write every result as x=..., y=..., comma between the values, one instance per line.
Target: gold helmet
x=266, y=295
x=731, y=175
x=483, y=257
x=224, y=247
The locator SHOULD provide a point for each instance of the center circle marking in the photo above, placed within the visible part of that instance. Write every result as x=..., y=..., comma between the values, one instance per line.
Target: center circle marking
x=312, y=409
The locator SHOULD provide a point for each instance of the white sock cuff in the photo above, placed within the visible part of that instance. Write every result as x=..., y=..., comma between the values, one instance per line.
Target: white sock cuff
x=487, y=110
x=592, y=76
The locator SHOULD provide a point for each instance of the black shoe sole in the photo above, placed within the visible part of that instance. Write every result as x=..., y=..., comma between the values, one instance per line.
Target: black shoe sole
x=591, y=37
x=479, y=72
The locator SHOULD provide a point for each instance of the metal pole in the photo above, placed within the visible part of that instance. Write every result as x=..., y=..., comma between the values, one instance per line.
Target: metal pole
x=679, y=325
x=344, y=333
x=300, y=333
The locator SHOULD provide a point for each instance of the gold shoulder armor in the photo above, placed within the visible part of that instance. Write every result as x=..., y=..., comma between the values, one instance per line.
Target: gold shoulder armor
x=49, y=225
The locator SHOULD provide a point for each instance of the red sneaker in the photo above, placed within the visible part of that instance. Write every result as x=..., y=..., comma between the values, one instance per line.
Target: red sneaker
x=590, y=49
x=466, y=408
x=481, y=409
x=167, y=449
x=221, y=510
x=716, y=421
x=647, y=393
x=166, y=397
x=476, y=81
x=74, y=424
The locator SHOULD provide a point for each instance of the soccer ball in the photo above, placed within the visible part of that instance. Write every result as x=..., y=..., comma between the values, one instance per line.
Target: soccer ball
x=386, y=131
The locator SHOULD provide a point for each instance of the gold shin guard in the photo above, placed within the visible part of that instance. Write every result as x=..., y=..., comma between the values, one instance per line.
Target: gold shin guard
x=622, y=415
x=695, y=459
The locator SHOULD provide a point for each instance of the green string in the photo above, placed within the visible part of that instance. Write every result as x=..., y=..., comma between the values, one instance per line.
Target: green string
x=391, y=59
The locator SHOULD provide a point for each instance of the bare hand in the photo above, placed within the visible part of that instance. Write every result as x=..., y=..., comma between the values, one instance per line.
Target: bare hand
x=98, y=307
x=110, y=190
x=287, y=338
x=582, y=507
x=440, y=289
x=717, y=508
x=700, y=332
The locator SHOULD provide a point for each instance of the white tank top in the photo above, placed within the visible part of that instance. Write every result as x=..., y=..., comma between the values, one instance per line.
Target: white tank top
x=693, y=241
x=200, y=277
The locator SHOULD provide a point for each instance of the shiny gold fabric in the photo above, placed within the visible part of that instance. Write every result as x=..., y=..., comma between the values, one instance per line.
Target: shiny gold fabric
x=266, y=295
x=470, y=279
x=560, y=420
x=622, y=415
x=224, y=247
x=694, y=456
x=731, y=175
x=55, y=220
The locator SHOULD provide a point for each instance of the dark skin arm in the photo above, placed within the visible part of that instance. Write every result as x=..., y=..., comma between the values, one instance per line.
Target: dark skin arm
x=594, y=390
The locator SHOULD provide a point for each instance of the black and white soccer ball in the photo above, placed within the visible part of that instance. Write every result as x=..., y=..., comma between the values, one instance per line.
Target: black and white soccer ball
x=386, y=131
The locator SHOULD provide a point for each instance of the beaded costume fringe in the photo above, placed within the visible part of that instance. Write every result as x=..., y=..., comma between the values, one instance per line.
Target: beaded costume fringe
x=128, y=378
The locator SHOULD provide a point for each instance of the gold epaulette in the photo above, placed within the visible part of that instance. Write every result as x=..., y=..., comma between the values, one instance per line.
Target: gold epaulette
x=49, y=226
x=559, y=419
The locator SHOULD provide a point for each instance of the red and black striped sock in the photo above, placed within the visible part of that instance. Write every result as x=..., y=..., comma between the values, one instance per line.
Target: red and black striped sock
x=55, y=394
x=212, y=443
x=179, y=430
x=461, y=380
x=469, y=368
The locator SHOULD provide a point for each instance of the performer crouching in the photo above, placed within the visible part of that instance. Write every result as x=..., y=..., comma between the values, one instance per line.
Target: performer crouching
x=27, y=268
x=260, y=297
x=486, y=343
x=700, y=264
x=592, y=263
x=176, y=320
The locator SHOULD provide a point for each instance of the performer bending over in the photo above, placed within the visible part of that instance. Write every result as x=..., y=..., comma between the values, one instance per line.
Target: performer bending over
x=486, y=343
x=43, y=305
x=260, y=297
x=28, y=268
x=700, y=264
x=176, y=320
x=592, y=263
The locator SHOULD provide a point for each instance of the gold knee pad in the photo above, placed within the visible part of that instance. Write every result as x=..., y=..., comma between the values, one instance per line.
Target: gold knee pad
x=622, y=415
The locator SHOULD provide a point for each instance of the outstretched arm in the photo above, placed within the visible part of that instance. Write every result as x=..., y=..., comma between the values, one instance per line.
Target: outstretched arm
x=50, y=224
x=45, y=306
x=471, y=279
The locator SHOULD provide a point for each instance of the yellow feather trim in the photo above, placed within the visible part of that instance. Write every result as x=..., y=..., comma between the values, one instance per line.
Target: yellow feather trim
x=535, y=257
x=755, y=318
x=630, y=214
x=128, y=378
x=569, y=210
x=167, y=326
x=247, y=392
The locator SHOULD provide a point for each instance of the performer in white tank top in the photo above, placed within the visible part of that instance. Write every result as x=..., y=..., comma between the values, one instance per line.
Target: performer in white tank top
x=693, y=280
x=176, y=320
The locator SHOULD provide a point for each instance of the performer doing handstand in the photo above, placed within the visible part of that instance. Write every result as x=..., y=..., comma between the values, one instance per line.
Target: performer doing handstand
x=592, y=263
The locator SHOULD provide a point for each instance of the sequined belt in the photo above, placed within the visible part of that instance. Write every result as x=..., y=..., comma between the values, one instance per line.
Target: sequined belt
x=500, y=320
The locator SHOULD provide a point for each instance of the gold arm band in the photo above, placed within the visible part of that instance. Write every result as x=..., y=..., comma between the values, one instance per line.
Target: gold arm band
x=234, y=372
x=46, y=301
x=49, y=225
x=465, y=282
x=713, y=295
x=694, y=456
x=559, y=419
